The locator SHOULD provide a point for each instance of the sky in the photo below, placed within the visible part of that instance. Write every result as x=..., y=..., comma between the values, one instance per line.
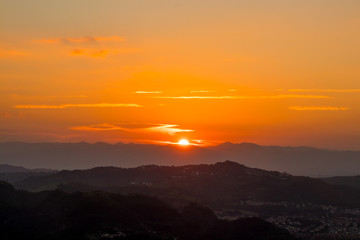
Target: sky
x=157, y=71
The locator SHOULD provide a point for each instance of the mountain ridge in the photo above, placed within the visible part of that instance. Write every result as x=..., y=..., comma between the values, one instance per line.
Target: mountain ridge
x=305, y=161
x=206, y=182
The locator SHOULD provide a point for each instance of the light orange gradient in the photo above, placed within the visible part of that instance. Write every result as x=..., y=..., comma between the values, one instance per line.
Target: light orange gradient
x=158, y=72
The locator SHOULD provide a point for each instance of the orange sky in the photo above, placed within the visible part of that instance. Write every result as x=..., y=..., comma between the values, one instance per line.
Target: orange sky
x=156, y=71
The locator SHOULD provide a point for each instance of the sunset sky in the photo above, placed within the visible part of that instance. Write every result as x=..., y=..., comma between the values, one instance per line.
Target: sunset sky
x=157, y=71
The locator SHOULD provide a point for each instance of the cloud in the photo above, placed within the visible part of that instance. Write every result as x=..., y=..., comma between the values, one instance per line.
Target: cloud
x=97, y=51
x=91, y=53
x=232, y=90
x=99, y=127
x=170, y=129
x=102, y=53
x=246, y=97
x=62, y=106
x=145, y=92
x=325, y=90
x=67, y=96
x=199, y=143
x=202, y=91
x=82, y=40
x=316, y=108
x=191, y=143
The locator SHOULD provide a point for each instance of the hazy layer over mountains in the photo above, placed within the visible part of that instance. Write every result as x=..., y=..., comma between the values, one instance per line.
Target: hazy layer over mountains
x=220, y=185
x=304, y=161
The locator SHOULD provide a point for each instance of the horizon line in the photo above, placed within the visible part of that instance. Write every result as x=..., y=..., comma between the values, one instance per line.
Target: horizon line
x=191, y=146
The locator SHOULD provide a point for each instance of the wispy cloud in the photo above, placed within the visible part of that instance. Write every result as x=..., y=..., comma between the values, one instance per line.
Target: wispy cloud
x=100, y=127
x=67, y=96
x=317, y=108
x=82, y=40
x=245, y=97
x=325, y=90
x=198, y=143
x=146, y=92
x=202, y=91
x=170, y=129
x=62, y=106
x=232, y=90
x=193, y=142
x=102, y=53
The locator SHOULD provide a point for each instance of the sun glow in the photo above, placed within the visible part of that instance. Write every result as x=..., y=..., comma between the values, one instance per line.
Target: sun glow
x=184, y=142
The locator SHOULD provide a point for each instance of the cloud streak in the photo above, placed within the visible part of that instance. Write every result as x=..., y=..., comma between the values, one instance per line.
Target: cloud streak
x=91, y=105
x=247, y=97
x=202, y=91
x=170, y=129
x=102, y=53
x=317, y=108
x=82, y=40
x=147, y=92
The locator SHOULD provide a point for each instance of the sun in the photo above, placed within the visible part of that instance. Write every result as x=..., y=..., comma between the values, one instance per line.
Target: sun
x=183, y=142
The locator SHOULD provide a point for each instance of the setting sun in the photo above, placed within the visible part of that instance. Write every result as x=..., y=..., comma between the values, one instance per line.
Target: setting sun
x=184, y=142
x=202, y=119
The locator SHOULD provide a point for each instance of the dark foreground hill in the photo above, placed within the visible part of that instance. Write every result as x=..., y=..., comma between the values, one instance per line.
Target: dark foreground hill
x=304, y=161
x=221, y=185
x=99, y=215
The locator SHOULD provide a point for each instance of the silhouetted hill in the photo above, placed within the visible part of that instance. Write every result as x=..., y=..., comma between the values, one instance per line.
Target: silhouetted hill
x=353, y=181
x=53, y=215
x=14, y=174
x=221, y=185
x=303, y=161
x=6, y=168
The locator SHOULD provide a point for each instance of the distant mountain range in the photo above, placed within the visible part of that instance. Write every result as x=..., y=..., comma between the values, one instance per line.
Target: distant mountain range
x=12, y=174
x=221, y=185
x=6, y=168
x=303, y=161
